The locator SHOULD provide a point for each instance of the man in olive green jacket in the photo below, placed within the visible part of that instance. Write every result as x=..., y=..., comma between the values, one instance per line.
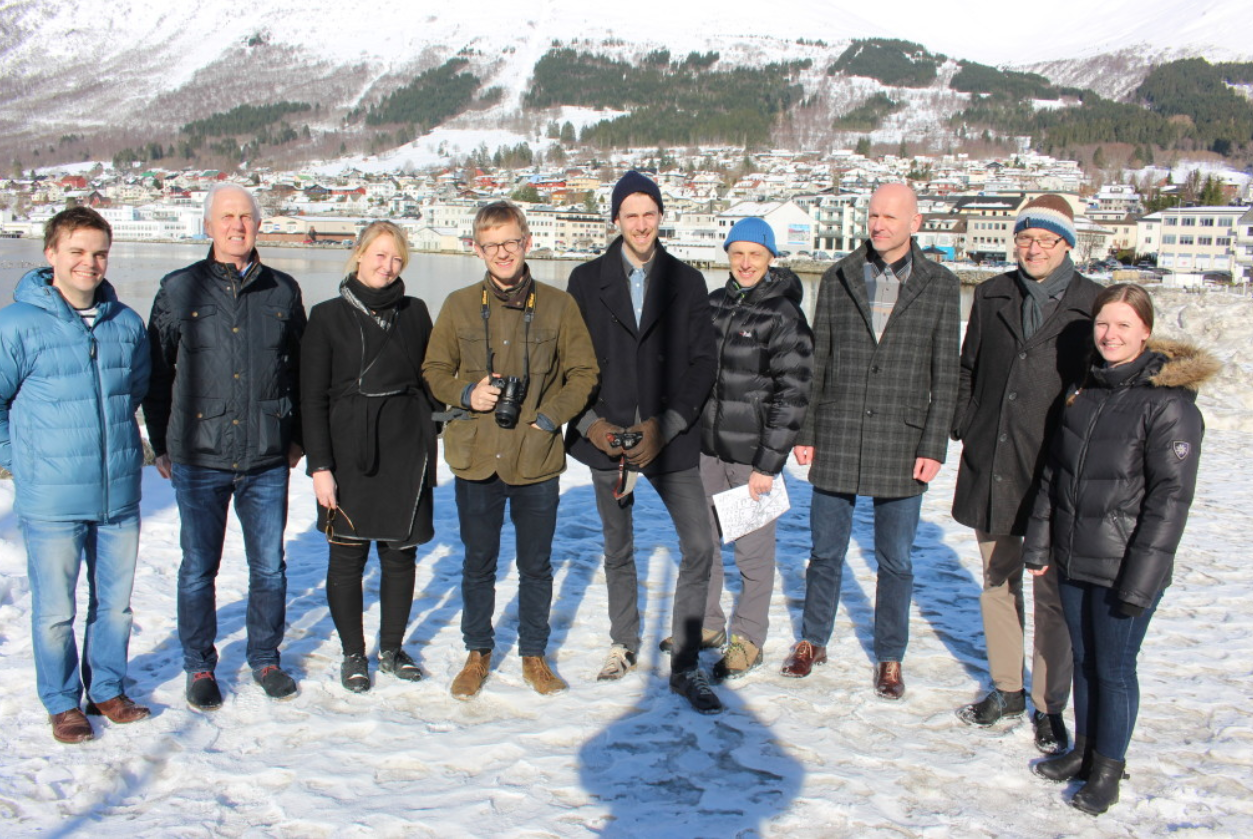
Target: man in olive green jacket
x=515, y=355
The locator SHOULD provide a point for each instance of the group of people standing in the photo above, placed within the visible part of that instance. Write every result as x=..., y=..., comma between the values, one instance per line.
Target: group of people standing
x=1077, y=466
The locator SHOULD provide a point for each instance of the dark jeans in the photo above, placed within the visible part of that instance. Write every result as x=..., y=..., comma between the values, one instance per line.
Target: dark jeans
x=831, y=525
x=481, y=512
x=1105, y=644
x=684, y=496
x=203, y=496
x=343, y=593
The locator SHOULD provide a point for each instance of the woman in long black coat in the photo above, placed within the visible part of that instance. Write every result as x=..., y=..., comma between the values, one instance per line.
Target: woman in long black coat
x=370, y=442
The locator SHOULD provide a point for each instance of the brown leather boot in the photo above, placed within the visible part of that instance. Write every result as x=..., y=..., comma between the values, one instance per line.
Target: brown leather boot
x=537, y=674
x=471, y=678
x=70, y=726
x=119, y=709
x=803, y=659
x=889, y=682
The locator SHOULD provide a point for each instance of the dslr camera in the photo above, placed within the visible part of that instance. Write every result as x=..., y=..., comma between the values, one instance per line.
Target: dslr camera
x=509, y=403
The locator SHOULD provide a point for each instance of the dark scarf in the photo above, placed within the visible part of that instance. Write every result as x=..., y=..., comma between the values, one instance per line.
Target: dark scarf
x=1036, y=294
x=513, y=297
x=371, y=301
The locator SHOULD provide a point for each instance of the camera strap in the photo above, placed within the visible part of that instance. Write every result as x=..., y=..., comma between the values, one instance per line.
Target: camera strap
x=528, y=315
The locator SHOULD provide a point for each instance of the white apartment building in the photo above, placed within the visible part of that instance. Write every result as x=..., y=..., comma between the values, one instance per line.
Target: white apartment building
x=1243, y=271
x=1199, y=238
x=793, y=227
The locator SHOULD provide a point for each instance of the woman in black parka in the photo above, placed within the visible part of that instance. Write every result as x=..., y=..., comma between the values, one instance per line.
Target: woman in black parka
x=1110, y=512
x=370, y=442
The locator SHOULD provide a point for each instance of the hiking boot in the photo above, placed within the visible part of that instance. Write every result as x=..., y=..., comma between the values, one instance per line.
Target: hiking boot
x=803, y=658
x=70, y=727
x=741, y=656
x=1101, y=790
x=709, y=640
x=472, y=676
x=120, y=709
x=1050, y=732
x=276, y=683
x=889, y=681
x=202, y=691
x=994, y=707
x=398, y=663
x=693, y=685
x=354, y=673
x=537, y=674
x=618, y=663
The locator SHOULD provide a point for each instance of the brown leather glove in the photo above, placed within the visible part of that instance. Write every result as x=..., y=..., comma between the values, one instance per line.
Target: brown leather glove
x=598, y=434
x=646, y=450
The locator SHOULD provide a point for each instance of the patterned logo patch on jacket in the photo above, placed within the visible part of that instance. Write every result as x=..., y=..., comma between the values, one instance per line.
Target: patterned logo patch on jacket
x=1181, y=448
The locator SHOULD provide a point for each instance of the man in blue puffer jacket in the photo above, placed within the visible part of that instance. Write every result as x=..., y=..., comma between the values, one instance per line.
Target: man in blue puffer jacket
x=74, y=367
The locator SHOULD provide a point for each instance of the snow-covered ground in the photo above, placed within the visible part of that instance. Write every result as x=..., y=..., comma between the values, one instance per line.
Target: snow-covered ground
x=818, y=757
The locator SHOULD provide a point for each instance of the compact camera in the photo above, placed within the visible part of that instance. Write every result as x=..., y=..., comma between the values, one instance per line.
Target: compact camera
x=509, y=403
x=625, y=439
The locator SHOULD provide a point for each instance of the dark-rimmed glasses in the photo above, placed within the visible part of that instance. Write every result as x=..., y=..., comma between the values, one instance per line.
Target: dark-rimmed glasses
x=509, y=245
x=1046, y=242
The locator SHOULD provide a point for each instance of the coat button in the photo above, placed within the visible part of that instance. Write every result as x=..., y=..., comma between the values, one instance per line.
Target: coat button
x=996, y=477
x=869, y=412
x=1022, y=355
x=195, y=314
x=874, y=369
x=1013, y=394
x=235, y=422
x=234, y=329
x=199, y=415
x=1003, y=437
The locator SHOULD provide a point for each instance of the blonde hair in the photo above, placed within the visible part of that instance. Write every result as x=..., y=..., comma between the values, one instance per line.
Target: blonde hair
x=372, y=231
x=497, y=213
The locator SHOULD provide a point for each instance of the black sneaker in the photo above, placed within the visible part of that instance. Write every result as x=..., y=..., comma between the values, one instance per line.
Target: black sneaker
x=1050, y=733
x=275, y=683
x=398, y=663
x=202, y=691
x=994, y=707
x=354, y=673
x=693, y=685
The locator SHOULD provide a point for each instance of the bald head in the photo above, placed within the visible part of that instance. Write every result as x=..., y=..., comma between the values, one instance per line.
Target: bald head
x=893, y=220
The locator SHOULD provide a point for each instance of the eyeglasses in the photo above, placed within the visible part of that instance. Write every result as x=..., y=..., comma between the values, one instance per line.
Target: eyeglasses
x=331, y=515
x=1046, y=242
x=509, y=245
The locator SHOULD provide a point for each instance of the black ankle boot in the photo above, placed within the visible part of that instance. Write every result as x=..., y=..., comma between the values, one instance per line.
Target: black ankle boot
x=1075, y=765
x=1101, y=790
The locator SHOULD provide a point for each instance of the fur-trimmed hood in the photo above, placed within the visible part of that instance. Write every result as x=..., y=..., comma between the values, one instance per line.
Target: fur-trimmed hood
x=1187, y=365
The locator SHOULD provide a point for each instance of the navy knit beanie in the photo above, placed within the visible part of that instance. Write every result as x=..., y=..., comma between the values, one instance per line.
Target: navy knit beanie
x=753, y=230
x=629, y=184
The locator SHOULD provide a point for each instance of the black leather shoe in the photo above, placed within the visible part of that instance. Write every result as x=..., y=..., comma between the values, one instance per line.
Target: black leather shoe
x=275, y=683
x=1050, y=733
x=994, y=707
x=693, y=685
x=1075, y=765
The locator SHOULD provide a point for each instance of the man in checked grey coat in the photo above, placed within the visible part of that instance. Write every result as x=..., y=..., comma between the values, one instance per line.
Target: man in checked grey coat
x=886, y=337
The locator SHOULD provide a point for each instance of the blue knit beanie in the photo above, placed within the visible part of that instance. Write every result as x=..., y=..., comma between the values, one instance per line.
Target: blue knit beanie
x=753, y=230
x=1048, y=212
x=629, y=184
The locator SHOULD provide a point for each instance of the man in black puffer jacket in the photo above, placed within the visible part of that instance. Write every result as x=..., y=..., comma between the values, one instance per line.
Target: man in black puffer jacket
x=765, y=360
x=222, y=415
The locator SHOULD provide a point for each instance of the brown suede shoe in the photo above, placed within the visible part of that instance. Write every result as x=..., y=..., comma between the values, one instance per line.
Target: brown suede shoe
x=889, y=683
x=803, y=658
x=471, y=678
x=537, y=674
x=70, y=726
x=119, y=709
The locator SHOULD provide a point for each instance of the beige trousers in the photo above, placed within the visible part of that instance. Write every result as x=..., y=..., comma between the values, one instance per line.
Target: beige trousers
x=1004, y=620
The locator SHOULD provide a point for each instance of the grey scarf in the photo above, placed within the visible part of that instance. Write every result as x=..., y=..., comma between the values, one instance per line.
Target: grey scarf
x=1036, y=294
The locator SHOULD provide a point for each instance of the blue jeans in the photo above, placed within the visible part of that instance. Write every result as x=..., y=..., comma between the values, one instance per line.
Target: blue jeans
x=203, y=496
x=481, y=512
x=54, y=553
x=831, y=525
x=1105, y=645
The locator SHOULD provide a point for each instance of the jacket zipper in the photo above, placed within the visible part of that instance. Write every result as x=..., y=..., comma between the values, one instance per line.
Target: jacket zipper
x=104, y=435
x=1083, y=457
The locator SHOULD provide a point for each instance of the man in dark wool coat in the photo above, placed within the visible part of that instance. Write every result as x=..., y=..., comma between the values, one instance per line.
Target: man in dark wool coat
x=1029, y=338
x=886, y=336
x=648, y=314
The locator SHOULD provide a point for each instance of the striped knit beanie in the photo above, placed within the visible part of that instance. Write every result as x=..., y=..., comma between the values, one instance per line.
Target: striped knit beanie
x=1048, y=212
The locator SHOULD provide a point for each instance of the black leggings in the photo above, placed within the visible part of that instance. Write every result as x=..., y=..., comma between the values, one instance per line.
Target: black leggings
x=343, y=593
